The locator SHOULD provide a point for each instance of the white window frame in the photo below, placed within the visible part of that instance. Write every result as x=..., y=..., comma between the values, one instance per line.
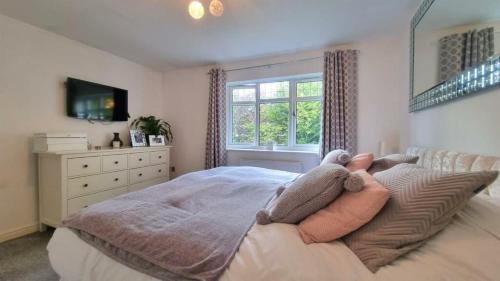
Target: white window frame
x=292, y=101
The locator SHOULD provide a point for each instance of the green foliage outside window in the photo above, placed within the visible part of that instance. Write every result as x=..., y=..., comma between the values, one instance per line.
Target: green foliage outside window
x=308, y=122
x=274, y=123
x=274, y=116
x=243, y=124
x=309, y=89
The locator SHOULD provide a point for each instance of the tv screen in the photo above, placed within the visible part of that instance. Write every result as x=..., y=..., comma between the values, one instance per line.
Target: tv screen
x=91, y=101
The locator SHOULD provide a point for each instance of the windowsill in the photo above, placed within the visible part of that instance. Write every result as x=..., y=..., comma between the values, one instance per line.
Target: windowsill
x=272, y=151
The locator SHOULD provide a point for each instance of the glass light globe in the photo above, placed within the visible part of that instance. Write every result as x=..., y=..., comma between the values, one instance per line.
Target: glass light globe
x=216, y=8
x=196, y=10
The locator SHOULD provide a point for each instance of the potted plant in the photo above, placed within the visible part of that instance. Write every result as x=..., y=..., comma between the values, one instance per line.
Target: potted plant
x=152, y=126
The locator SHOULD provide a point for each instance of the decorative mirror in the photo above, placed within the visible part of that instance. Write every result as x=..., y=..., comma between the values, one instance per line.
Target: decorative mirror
x=455, y=50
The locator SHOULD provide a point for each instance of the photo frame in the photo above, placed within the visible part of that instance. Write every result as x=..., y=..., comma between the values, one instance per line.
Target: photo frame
x=156, y=140
x=137, y=138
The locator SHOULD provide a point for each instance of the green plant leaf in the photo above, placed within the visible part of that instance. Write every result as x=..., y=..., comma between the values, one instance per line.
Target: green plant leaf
x=150, y=125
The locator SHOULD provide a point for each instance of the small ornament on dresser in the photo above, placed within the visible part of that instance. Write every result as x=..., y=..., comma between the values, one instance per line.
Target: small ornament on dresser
x=116, y=142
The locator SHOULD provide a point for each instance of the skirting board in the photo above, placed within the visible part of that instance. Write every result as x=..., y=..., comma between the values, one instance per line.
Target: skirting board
x=16, y=233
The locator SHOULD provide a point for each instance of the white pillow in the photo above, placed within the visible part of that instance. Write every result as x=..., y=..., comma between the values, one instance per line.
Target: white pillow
x=339, y=156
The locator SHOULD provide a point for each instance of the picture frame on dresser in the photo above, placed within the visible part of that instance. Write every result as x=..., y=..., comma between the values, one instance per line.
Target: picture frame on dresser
x=156, y=140
x=71, y=180
x=138, y=138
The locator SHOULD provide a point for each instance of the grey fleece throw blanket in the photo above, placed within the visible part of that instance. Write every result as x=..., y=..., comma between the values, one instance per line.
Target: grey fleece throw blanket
x=186, y=229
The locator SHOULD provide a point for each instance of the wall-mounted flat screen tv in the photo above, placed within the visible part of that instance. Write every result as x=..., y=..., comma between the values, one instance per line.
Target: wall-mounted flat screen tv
x=92, y=101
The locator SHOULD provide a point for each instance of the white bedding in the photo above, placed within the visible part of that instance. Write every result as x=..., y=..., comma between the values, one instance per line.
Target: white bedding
x=468, y=249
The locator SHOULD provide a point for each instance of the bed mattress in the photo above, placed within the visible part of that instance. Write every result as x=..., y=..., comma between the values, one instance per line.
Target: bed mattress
x=468, y=249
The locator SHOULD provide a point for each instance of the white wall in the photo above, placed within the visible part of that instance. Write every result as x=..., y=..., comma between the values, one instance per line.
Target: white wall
x=186, y=109
x=383, y=86
x=467, y=125
x=33, y=66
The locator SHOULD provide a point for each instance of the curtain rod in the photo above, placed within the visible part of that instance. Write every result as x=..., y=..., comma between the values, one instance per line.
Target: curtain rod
x=272, y=64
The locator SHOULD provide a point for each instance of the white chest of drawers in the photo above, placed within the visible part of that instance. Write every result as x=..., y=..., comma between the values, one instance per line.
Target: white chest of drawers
x=71, y=180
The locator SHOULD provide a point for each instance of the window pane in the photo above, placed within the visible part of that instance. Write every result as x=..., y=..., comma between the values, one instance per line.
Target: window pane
x=308, y=122
x=274, y=90
x=243, y=95
x=243, y=124
x=274, y=123
x=309, y=89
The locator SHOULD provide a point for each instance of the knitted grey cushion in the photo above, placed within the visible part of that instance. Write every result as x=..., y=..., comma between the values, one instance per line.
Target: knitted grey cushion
x=310, y=193
x=338, y=156
x=422, y=203
x=389, y=161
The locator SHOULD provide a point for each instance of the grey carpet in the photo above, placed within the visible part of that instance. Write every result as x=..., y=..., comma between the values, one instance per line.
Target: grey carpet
x=26, y=259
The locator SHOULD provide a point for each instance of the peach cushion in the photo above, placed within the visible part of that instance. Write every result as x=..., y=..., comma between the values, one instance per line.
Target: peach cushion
x=347, y=213
x=360, y=162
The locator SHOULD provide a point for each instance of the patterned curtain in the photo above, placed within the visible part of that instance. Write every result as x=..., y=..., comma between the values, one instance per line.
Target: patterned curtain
x=479, y=46
x=339, y=116
x=450, y=56
x=458, y=52
x=215, y=153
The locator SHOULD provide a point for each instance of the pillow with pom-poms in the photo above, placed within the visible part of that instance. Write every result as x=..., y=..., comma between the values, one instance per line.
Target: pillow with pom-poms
x=310, y=193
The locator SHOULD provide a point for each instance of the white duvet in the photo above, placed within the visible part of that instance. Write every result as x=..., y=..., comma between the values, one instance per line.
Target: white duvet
x=468, y=249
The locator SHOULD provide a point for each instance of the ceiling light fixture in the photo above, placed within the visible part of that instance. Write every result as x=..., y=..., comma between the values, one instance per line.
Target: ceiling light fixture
x=196, y=10
x=216, y=8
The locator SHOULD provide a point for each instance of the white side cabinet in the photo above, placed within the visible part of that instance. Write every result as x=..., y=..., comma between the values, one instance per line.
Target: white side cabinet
x=71, y=180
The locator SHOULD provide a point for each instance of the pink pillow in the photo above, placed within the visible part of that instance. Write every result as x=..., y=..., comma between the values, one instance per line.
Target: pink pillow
x=360, y=162
x=347, y=213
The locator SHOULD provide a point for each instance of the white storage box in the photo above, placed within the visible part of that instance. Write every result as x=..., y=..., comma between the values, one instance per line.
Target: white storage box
x=49, y=142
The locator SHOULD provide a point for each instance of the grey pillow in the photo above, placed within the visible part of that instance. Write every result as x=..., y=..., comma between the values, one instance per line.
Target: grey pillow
x=389, y=161
x=338, y=156
x=422, y=203
x=310, y=193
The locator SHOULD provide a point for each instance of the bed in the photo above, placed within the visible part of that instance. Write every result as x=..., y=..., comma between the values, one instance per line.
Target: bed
x=466, y=250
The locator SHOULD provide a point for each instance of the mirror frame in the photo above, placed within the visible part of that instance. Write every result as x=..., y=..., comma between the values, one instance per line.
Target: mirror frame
x=463, y=84
x=422, y=10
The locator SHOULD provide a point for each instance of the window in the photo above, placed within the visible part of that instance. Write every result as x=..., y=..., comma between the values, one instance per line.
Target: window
x=285, y=112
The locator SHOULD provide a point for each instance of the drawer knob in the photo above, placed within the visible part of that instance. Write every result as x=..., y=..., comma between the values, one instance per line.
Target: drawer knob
x=140, y=159
x=85, y=166
x=117, y=179
x=159, y=157
x=86, y=206
x=86, y=185
x=116, y=162
x=159, y=171
x=140, y=175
